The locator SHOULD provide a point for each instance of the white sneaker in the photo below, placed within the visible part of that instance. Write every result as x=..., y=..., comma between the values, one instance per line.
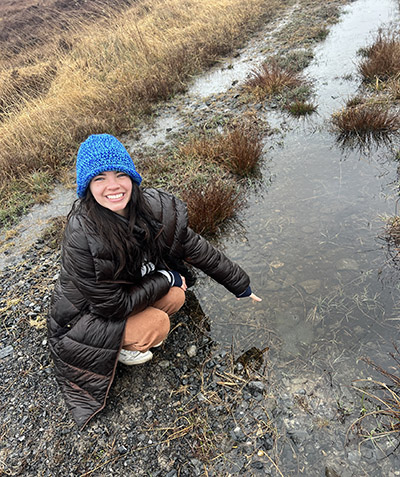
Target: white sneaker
x=134, y=357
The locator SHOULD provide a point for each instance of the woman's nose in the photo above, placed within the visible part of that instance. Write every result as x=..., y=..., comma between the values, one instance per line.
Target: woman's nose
x=112, y=183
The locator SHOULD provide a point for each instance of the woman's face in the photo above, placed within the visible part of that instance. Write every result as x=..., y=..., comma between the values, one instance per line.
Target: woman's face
x=112, y=190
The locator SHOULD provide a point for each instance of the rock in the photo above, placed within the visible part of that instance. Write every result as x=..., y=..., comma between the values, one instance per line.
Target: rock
x=311, y=286
x=329, y=472
x=192, y=351
x=7, y=351
x=164, y=364
x=346, y=264
x=256, y=386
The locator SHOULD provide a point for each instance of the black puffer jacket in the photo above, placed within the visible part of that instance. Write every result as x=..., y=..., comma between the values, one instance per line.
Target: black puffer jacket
x=87, y=316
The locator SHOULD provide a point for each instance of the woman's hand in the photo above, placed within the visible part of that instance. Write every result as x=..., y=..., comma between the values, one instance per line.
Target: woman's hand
x=255, y=297
x=183, y=286
x=252, y=296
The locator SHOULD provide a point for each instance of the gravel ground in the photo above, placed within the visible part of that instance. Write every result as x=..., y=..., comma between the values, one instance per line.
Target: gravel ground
x=195, y=409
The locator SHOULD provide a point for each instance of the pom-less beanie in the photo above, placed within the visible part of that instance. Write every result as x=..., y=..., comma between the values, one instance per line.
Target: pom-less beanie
x=101, y=153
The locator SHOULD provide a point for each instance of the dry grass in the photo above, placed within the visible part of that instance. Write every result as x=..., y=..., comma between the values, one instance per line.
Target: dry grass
x=384, y=419
x=392, y=237
x=238, y=149
x=382, y=57
x=210, y=205
x=114, y=72
x=366, y=122
x=271, y=80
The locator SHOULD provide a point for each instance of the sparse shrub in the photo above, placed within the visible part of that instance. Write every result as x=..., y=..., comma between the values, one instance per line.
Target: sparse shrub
x=301, y=108
x=366, y=122
x=382, y=58
x=271, y=79
x=210, y=205
x=238, y=149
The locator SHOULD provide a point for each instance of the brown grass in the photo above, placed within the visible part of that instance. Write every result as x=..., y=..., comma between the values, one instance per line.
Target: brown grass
x=115, y=71
x=382, y=57
x=383, y=420
x=238, y=149
x=210, y=205
x=271, y=79
x=366, y=122
x=392, y=237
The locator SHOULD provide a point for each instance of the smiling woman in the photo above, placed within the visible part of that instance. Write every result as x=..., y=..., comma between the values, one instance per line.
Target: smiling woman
x=124, y=273
x=112, y=190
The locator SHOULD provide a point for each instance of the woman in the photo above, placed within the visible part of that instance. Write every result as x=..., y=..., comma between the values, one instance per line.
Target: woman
x=122, y=274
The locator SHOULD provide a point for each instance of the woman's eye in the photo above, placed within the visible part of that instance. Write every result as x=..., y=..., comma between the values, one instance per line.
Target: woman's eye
x=122, y=174
x=96, y=179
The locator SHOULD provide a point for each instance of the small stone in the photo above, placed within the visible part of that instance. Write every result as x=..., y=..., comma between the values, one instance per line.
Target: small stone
x=346, y=264
x=256, y=386
x=192, y=351
x=7, y=351
x=122, y=450
x=310, y=286
x=164, y=364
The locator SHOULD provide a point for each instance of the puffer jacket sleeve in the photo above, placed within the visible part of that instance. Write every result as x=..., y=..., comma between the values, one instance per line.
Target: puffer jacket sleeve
x=193, y=248
x=110, y=300
x=201, y=254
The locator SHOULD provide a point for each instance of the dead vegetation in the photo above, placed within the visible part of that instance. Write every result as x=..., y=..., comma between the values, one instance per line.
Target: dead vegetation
x=271, y=79
x=371, y=116
x=105, y=76
x=210, y=205
x=380, y=414
x=382, y=58
x=366, y=122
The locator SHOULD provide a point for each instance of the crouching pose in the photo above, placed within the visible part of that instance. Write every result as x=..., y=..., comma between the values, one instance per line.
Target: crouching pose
x=123, y=274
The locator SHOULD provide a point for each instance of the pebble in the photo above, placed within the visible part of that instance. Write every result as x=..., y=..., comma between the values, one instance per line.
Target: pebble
x=191, y=351
x=256, y=386
x=6, y=351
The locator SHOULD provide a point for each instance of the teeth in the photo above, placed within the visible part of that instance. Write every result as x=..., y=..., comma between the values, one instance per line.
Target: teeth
x=116, y=196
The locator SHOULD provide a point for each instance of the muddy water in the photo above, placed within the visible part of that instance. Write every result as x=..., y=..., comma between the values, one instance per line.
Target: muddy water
x=311, y=242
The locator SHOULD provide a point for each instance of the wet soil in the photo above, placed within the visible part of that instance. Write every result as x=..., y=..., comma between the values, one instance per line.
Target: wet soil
x=198, y=408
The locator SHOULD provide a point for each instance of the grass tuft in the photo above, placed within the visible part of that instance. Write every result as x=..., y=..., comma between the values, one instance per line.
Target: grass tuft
x=382, y=59
x=301, y=108
x=383, y=420
x=365, y=122
x=271, y=80
x=211, y=205
x=238, y=149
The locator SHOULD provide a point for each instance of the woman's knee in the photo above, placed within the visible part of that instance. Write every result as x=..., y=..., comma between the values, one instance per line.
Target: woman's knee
x=172, y=301
x=146, y=329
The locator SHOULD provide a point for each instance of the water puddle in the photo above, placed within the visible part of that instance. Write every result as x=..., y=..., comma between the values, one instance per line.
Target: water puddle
x=311, y=246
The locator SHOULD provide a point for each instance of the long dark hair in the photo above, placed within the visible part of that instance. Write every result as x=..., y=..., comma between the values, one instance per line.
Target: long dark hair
x=130, y=241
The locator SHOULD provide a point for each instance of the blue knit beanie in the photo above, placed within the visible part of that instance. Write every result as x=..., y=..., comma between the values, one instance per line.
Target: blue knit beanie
x=101, y=153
